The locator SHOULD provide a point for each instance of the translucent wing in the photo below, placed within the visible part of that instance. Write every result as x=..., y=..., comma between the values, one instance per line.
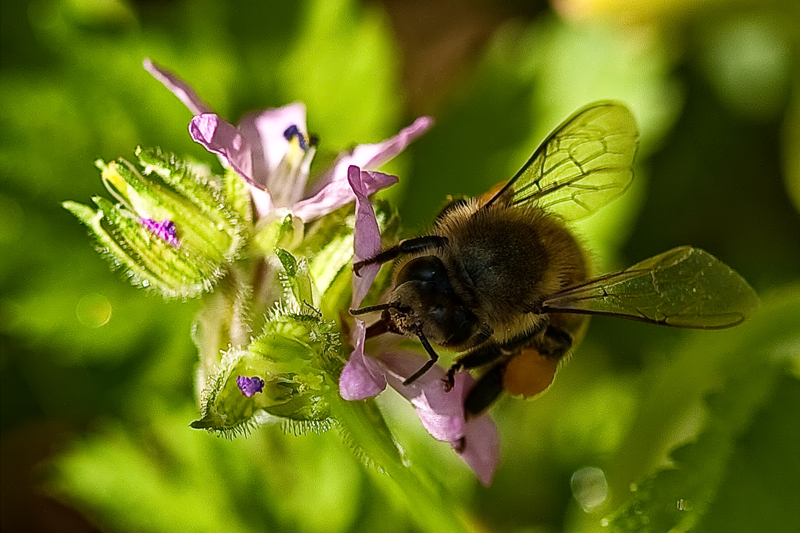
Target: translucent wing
x=580, y=167
x=684, y=287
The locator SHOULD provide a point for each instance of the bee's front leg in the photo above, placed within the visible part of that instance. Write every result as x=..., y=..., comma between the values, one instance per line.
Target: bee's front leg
x=407, y=246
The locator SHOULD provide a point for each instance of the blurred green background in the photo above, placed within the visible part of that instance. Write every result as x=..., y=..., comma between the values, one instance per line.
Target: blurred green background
x=645, y=428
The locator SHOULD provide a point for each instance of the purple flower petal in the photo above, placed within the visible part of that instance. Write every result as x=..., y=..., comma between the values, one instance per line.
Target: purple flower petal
x=330, y=192
x=250, y=386
x=165, y=229
x=362, y=376
x=339, y=193
x=480, y=447
x=372, y=156
x=271, y=151
x=222, y=138
x=180, y=89
x=366, y=234
x=265, y=134
x=441, y=413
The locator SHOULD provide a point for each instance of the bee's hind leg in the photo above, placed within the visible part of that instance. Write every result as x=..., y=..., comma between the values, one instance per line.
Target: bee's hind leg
x=554, y=342
x=486, y=390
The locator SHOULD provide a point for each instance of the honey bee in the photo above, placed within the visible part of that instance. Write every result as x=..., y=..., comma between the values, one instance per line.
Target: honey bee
x=502, y=280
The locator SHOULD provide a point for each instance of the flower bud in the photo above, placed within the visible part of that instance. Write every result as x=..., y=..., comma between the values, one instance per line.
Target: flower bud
x=172, y=230
x=281, y=373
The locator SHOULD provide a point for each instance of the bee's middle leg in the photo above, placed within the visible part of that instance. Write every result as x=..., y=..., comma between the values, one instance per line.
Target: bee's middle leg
x=553, y=342
x=479, y=356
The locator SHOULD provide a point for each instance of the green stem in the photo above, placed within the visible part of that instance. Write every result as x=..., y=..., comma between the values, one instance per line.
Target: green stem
x=362, y=424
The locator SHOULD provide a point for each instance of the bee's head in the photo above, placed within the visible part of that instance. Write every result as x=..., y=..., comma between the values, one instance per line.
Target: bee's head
x=423, y=301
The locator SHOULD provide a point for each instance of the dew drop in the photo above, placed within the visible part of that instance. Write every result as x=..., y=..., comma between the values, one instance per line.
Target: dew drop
x=589, y=487
x=93, y=310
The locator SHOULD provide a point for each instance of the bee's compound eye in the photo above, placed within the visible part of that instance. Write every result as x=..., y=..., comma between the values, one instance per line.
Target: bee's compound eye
x=427, y=268
x=529, y=373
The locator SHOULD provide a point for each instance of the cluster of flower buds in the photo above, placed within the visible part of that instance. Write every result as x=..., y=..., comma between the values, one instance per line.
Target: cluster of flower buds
x=272, y=260
x=174, y=230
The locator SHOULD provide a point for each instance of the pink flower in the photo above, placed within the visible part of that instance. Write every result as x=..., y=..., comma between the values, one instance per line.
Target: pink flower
x=475, y=439
x=273, y=152
x=362, y=377
x=442, y=413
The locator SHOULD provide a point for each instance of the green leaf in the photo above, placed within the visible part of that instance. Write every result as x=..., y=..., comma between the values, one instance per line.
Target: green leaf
x=753, y=360
x=297, y=278
x=166, y=478
x=760, y=490
x=140, y=493
x=270, y=233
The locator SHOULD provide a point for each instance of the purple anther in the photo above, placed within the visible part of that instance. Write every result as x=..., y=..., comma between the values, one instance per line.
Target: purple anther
x=294, y=132
x=166, y=230
x=250, y=386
